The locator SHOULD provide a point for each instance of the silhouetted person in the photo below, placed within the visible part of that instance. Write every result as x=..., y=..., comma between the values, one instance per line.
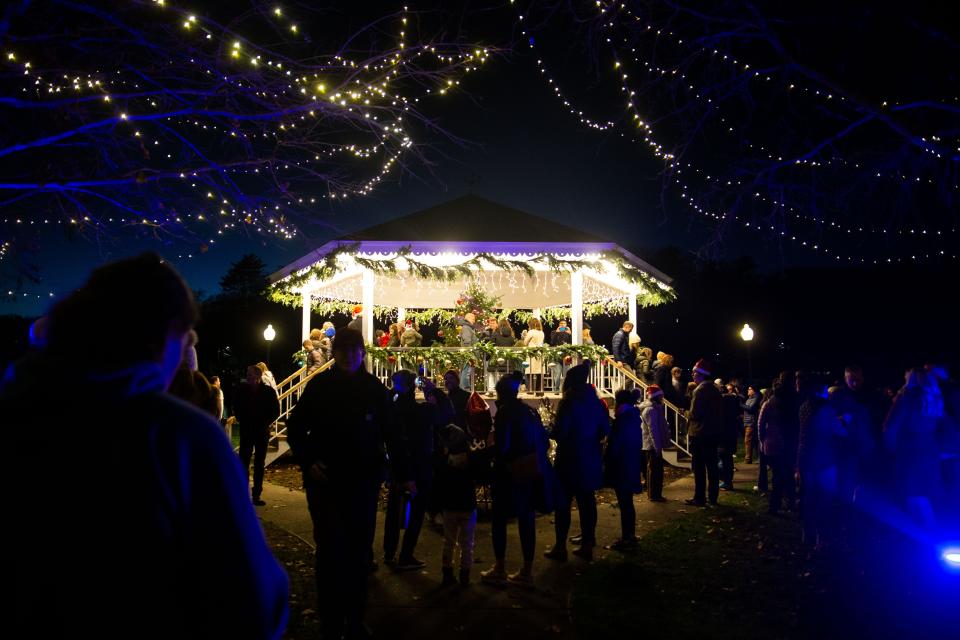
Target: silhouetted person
x=338, y=433
x=256, y=407
x=411, y=471
x=582, y=423
x=623, y=460
x=704, y=429
x=140, y=522
x=519, y=453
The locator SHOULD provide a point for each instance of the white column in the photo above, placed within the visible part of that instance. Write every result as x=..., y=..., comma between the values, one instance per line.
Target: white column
x=576, y=306
x=305, y=324
x=367, y=302
x=401, y=314
x=536, y=313
x=632, y=311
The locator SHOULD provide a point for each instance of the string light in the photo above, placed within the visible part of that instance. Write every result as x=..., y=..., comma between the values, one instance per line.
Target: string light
x=261, y=122
x=675, y=168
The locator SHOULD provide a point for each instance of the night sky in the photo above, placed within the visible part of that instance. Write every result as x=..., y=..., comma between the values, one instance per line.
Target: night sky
x=524, y=150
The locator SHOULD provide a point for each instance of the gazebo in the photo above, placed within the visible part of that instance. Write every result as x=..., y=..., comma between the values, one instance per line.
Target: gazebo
x=424, y=260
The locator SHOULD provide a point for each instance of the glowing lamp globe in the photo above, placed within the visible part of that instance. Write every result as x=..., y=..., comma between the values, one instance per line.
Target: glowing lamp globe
x=269, y=333
x=746, y=333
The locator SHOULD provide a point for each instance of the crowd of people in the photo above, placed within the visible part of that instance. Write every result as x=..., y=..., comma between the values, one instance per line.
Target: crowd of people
x=187, y=498
x=349, y=433
x=827, y=444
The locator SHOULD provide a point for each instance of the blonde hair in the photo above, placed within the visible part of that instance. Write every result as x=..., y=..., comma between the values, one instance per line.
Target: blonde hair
x=316, y=334
x=534, y=323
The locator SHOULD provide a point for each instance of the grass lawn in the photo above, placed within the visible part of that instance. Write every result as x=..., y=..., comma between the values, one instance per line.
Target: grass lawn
x=735, y=572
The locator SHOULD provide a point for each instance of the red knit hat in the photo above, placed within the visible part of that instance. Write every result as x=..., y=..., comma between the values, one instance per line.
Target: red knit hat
x=702, y=367
x=654, y=391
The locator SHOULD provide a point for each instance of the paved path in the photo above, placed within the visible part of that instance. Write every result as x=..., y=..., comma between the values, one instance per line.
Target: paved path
x=415, y=600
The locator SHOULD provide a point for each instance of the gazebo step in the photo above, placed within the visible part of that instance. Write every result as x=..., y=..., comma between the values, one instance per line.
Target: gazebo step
x=673, y=458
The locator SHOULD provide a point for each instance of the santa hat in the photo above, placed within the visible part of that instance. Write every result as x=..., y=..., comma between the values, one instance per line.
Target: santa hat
x=653, y=391
x=409, y=322
x=702, y=367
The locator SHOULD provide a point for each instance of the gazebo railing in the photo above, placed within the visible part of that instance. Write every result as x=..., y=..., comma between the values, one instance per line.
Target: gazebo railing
x=676, y=416
x=485, y=370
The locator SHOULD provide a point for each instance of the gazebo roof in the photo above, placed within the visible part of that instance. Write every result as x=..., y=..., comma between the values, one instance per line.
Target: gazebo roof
x=471, y=218
x=427, y=258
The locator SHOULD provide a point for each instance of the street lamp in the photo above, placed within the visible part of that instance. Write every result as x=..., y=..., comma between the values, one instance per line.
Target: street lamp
x=269, y=334
x=746, y=334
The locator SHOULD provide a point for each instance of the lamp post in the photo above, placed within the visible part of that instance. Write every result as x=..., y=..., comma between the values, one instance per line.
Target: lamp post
x=746, y=334
x=269, y=334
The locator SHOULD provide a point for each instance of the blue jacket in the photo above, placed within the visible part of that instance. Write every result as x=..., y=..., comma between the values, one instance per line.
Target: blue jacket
x=582, y=423
x=620, y=347
x=625, y=451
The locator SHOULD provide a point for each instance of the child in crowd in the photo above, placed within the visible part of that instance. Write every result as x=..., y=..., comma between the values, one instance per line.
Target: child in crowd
x=455, y=484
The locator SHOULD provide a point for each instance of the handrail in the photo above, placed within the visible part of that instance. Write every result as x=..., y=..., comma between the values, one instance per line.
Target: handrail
x=679, y=414
x=289, y=397
x=292, y=376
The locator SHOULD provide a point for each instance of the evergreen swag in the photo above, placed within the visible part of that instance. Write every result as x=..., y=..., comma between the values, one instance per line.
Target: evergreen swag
x=446, y=357
x=328, y=266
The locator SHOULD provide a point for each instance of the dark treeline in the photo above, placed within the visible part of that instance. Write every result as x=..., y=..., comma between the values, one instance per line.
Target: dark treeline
x=883, y=318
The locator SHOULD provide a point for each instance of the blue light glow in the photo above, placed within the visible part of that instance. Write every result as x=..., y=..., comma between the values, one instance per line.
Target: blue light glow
x=950, y=557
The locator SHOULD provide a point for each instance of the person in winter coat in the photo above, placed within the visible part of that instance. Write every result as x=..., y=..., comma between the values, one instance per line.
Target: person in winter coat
x=519, y=451
x=175, y=550
x=778, y=428
x=751, y=407
x=663, y=374
x=910, y=431
x=817, y=460
x=581, y=425
x=457, y=498
x=256, y=407
x=656, y=436
x=623, y=461
x=339, y=431
x=732, y=421
x=534, y=338
x=393, y=337
x=410, y=336
x=620, y=345
x=314, y=356
x=704, y=428
x=411, y=471
x=468, y=329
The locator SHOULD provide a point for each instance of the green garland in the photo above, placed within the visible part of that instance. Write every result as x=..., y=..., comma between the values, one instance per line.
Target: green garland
x=328, y=266
x=459, y=357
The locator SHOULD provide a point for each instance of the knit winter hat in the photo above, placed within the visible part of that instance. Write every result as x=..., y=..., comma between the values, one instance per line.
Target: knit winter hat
x=702, y=367
x=577, y=376
x=654, y=391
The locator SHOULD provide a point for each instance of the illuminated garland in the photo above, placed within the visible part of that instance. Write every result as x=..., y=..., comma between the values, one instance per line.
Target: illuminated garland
x=328, y=266
x=458, y=357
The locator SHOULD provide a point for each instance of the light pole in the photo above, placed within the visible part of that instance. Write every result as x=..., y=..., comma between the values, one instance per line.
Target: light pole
x=746, y=334
x=269, y=334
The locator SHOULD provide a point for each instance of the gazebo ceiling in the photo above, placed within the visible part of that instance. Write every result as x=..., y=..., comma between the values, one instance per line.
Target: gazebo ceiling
x=517, y=290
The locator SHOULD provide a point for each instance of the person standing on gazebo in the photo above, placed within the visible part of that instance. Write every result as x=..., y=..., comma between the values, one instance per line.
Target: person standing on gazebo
x=534, y=338
x=469, y=337
x=620, y=346
x=559, y=337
